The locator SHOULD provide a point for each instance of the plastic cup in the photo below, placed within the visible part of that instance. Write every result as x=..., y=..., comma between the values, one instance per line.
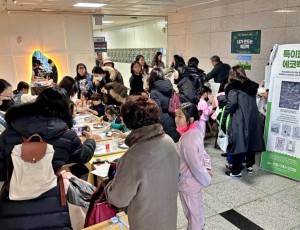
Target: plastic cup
x=107, y=147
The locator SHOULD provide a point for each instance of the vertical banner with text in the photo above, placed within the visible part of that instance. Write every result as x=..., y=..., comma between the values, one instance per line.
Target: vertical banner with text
x=282, y=130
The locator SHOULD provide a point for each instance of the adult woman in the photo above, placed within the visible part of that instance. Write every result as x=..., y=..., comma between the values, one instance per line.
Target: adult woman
x=108, y=62
x=147, y=174
x=50, y=117
x=245, y=132
x=107, y=85
x=145, y=68
x=68, y=84
x=169, y=72
x=185, y=86
x=113, y=91
x=83, y=80
x=157, y=61
x=161, y=91
x=5, y=94
x=136, y=80
x=177, y=59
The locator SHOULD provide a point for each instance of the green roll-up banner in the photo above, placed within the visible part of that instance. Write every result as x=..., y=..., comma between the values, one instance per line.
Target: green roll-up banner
x=282, y=129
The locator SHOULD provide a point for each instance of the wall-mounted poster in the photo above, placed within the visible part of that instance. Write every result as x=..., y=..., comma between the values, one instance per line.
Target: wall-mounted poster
x=246, y=42
x=282, y=129
x=128, y=55
x=244, y=61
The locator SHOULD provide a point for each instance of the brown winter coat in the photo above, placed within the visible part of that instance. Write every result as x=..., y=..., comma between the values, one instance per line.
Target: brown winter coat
x=146, y=180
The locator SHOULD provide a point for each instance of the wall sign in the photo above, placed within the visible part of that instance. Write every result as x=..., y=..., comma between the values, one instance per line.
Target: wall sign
x=100, y=45
x=246, y=42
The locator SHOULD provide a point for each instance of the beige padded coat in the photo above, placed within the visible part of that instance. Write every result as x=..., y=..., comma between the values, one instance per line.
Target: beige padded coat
x=146, y=180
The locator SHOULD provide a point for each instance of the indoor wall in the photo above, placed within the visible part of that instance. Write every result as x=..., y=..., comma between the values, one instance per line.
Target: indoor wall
x=67, y=39
x=207, y=32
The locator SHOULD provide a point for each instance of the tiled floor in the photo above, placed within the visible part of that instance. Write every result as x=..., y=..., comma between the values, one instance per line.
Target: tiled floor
x=272, y=202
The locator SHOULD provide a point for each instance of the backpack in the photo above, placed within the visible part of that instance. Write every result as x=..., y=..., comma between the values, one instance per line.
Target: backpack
x=174, y=103
x=33, y=173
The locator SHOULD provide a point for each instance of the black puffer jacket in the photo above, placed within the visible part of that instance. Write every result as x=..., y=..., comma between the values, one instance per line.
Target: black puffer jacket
x=218, y=73
x=245, y=129
x=187, y=91
x=161, y=94
x=44, y=212
x=195, y=75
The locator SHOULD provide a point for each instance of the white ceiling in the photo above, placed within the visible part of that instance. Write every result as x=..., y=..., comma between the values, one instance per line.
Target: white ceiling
x=143, y=9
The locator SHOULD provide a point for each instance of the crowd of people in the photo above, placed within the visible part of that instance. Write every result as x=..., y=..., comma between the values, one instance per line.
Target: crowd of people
x=166, y=154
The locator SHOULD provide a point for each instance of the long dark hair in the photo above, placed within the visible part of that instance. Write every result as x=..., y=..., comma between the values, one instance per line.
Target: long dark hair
x=145, y=68
x=237, y=73
x=181, y=68
x=155, y=58
x=77, y=67
x=53, y=102
x=69, y=85
x=155, y=75
x=177, y=59
x=131, y=67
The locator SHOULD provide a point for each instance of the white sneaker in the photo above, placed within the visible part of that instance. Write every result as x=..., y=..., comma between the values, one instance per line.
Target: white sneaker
x=249, y=169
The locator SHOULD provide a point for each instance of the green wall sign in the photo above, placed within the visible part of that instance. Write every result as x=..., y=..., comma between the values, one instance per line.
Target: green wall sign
x=246, y=42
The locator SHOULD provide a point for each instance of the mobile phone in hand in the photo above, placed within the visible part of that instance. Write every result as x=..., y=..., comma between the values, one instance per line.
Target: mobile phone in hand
x=84, y=128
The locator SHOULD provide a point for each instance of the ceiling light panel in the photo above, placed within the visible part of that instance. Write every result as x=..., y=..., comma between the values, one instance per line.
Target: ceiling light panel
x=89, y=5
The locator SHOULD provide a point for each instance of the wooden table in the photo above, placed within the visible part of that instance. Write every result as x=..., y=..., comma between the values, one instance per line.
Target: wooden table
x=100, y=153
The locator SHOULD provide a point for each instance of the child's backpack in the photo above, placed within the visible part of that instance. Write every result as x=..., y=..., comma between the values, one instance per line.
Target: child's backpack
x=174, y=103
x=33, y=173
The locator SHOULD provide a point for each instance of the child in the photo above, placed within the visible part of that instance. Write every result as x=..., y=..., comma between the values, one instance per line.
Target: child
x=114, y=120
x=195, y=166
x=97, y=107
x=83, y=102
x=204, y=107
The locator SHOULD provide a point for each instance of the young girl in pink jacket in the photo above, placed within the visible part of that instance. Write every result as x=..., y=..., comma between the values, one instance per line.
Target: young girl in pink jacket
x=206, y=109
x=195, y=166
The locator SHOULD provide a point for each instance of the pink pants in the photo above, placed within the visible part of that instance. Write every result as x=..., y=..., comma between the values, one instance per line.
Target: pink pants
x=193, y=209
x=202, y=127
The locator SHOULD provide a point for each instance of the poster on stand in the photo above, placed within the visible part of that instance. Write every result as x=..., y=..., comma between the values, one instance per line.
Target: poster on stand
x=282, y=129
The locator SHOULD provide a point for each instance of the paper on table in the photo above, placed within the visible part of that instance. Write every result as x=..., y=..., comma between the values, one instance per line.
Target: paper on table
x=101, y=170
